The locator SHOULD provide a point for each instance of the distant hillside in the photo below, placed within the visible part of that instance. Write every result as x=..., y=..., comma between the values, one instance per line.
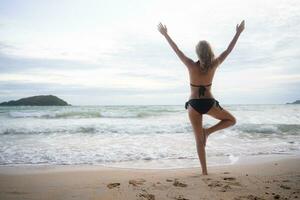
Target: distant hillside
x=295, y=102
x=41, y=100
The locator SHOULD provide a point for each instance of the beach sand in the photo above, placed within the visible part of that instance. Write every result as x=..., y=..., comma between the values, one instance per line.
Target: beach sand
x=264, y=179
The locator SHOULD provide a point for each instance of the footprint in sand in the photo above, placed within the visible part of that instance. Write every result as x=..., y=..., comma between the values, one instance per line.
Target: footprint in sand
x=147, y=196
x=137, y=182
x=179, y=184
x=249, y=197
x=113, y=185
x=229, y=178
x=176, y=183
x=231, y=181
x=224, y=185
x=225, y=188
x=215, y=184
x=218, y=184
x=206, y=180
x=285, y=187
x=180, y=197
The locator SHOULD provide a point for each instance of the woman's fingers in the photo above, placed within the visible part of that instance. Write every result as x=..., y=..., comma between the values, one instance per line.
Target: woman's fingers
x=162, y=28
x=243, y=23
x=240, y=27
x=160, y=25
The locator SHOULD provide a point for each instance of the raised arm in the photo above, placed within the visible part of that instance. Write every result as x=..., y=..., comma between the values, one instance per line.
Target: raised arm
x=163, y=30
x=239, y=29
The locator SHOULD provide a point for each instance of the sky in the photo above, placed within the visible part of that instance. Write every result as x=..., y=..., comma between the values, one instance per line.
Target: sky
x=109, y=52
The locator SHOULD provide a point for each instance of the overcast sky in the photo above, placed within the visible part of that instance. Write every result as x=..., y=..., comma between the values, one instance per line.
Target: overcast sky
x=96, y=52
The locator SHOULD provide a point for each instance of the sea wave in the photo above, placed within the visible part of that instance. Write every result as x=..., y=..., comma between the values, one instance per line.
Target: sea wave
x=100, y=159
x=267, y=129
x=12, y=131
x=69, y=114
x=88, y=114
x=119, y=134
x=242, y=130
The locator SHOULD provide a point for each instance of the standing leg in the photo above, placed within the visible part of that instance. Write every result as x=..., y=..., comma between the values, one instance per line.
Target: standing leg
x=196, y=121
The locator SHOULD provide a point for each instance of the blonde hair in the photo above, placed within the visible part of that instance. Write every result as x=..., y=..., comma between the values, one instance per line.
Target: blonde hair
x=205, y=54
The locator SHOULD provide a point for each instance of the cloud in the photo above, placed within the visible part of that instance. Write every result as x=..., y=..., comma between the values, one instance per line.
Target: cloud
x=9, y=63
x=115, y=45
x=75, y=94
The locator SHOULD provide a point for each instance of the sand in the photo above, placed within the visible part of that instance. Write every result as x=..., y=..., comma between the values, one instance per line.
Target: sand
x=264, y=179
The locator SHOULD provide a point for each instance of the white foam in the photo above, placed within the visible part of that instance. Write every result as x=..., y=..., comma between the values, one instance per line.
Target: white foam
x=161, y=138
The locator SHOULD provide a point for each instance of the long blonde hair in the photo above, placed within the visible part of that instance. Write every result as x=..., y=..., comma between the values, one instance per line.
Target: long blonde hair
x=205, y=54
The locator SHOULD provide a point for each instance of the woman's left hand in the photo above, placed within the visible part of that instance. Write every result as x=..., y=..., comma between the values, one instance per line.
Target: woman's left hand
x=162, y=29
x=241, y=27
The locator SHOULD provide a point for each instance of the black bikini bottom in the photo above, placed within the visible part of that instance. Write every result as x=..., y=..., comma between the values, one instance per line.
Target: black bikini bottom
x=202, y=105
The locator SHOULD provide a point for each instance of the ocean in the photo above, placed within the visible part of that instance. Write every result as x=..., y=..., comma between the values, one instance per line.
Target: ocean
x=141, y=136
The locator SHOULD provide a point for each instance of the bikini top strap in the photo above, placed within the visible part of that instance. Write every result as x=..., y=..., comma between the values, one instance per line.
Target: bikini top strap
x=200, y=85
x=201, y=88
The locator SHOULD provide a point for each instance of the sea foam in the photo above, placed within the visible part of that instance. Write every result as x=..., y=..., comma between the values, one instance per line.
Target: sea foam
x=131, y=135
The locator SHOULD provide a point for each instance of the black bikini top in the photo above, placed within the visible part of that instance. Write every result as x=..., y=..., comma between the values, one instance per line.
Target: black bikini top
x=202, y=88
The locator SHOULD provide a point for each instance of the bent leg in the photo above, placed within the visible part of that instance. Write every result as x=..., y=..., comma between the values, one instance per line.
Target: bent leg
x=227, y=119
x=196, y=121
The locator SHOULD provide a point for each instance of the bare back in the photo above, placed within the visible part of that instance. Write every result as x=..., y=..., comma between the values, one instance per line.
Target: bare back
x=199, y=77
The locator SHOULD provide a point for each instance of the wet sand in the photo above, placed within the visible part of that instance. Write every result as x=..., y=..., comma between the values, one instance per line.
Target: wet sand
x=266, y=179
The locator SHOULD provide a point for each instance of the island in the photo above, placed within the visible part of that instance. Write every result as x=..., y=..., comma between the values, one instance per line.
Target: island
x=295, y=102
x=40, y=100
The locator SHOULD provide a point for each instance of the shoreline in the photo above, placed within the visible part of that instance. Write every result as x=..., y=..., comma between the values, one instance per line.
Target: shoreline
x=46, y=168
x=266, y=179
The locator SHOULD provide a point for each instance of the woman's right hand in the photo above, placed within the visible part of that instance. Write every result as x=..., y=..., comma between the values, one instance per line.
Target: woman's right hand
x=240, y=28
x=162, y=29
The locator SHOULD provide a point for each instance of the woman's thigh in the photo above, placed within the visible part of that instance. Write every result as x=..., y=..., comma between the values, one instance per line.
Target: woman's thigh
x=220, y=114
x=196, y=120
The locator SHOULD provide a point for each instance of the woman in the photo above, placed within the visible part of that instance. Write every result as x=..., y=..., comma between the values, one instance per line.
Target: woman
x=201, y=100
